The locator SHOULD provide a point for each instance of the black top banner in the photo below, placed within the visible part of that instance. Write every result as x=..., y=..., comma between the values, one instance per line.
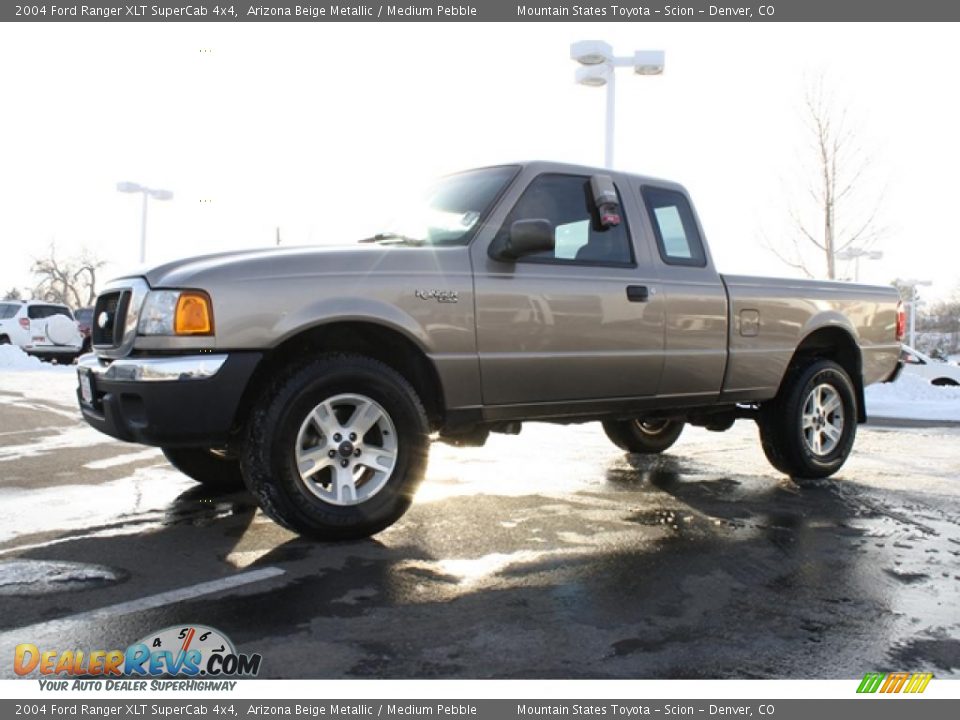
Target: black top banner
x=486, y=10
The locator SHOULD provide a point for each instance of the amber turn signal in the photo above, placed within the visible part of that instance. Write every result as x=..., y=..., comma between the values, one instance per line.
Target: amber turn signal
x=194, y=315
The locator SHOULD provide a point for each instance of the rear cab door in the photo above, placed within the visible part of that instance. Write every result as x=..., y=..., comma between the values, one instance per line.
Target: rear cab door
x=584, y=322
x=694, y=297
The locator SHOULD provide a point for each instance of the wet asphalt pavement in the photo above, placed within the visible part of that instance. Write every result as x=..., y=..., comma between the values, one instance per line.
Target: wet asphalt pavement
x=546, y=555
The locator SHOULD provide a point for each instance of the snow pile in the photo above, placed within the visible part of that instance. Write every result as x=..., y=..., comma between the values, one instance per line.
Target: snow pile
x=914, y=398
x=13, y=358
x=23, y=378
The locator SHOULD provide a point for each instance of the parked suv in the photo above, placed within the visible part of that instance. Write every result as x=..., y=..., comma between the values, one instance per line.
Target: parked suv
x=84, y=317
x=47, y=330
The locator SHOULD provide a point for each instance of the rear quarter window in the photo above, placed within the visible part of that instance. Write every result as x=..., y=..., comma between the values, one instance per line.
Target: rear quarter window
x=38, y=312
x=8, y=310
x=678, y=239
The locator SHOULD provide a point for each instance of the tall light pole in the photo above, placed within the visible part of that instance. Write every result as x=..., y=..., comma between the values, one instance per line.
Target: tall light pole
x=855, y=254
x=599, y=65
x=914, y=300
x=131, y=187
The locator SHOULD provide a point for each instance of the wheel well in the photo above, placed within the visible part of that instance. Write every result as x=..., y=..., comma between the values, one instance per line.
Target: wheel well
x=943, y=381
x=835, y=344
x=381, y=343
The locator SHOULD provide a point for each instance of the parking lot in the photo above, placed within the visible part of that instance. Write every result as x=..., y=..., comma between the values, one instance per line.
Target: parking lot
x=549, y=555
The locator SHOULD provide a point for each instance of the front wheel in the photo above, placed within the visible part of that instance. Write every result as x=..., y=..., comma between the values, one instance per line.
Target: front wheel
x=643, y=436
x=808, y=430
x=208, y=467
x=336, y=447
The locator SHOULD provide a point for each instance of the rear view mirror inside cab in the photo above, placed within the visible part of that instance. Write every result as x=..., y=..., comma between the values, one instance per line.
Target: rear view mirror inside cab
x=606, y=200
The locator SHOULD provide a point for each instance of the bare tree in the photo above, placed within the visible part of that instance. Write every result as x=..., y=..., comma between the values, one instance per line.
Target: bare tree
x=938, y=326
x=836, y=208
x=71, y=281
x=13, y=293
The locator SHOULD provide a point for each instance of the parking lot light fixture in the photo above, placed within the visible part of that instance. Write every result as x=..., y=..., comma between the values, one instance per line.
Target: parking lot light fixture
x=598, y=69
x=591, y=52
x=147, y=193
x=855, y=254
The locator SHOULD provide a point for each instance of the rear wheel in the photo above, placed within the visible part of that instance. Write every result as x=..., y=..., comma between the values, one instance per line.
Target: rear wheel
x=336, y=447
x=642, y=435
x=944, y=382
x=808, y=430
x=208, y=467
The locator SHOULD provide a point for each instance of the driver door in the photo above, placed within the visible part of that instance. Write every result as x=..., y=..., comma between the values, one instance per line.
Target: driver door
x=582, y=322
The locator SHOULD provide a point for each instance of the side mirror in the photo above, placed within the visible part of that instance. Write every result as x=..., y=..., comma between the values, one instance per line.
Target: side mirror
x=525, y=238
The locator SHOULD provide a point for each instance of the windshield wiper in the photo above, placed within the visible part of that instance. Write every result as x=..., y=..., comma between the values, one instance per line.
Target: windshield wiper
x=396, y=238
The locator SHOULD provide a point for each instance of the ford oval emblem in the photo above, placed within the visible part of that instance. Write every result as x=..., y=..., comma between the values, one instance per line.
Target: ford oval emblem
x=102, y=319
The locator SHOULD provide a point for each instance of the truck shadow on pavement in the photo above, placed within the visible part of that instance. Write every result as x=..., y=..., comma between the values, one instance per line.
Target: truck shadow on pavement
x=663, y=570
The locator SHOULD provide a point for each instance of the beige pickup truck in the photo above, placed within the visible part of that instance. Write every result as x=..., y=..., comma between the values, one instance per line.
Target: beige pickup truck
x=317, y=376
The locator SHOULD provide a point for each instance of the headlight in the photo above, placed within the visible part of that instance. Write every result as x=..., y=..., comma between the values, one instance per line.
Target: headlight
x=176, y=312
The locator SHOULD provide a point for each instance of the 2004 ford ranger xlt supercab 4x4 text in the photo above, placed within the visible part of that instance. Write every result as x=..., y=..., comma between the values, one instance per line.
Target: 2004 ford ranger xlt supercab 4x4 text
x=547, y=292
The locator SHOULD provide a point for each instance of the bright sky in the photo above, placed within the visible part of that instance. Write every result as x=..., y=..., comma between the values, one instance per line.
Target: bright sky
x=322, y=129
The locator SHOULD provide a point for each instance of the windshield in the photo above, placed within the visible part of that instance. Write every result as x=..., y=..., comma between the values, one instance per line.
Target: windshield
x=452, y=209
x=8, y=310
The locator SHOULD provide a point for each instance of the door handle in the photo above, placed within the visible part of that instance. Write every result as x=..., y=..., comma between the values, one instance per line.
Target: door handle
x=638, y=293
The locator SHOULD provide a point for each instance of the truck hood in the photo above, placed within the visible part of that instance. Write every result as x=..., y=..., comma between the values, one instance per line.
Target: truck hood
x=278, y=263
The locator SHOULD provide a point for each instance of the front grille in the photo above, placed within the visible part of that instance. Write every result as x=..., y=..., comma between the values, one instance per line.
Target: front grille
x=109, y=318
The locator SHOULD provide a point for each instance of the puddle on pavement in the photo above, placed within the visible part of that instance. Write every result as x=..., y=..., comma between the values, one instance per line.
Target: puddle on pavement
x=41, y=577
x=151, y=497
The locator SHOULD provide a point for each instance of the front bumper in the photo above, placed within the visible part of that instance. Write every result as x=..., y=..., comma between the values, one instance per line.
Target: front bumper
x=183, y=400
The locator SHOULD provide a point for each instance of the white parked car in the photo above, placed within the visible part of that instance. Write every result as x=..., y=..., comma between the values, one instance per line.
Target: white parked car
x=936, y=371
x=47, y=330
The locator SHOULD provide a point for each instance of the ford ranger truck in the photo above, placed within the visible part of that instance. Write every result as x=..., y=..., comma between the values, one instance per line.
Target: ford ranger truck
x=317, y=376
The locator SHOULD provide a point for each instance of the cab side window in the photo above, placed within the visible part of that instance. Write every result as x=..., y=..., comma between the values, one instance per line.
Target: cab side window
x=566, y=201
x=678, y=239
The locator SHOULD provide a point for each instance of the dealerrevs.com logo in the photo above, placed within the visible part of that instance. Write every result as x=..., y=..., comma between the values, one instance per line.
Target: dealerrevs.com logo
x=193, y=652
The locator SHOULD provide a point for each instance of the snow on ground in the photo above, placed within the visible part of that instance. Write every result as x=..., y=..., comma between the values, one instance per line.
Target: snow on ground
x=915, y=398
x=910, y=397
x=13, y=358
x=35, y=380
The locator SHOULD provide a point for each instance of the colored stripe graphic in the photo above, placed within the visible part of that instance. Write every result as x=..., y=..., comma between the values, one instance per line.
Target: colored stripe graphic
x=870, y=683
x=895, y=682
x=919, y=682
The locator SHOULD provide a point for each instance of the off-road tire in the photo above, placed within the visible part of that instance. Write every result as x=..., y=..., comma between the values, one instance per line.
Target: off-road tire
x=270, y=447
x=781, y=422
x=209, y=468
x=647, y=437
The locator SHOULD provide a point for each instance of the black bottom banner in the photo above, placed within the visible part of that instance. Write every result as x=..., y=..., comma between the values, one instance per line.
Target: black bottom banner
x=875, y=708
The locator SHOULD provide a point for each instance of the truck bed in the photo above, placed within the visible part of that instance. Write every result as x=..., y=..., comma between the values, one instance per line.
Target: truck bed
x=770, y=317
